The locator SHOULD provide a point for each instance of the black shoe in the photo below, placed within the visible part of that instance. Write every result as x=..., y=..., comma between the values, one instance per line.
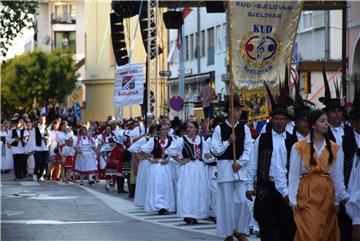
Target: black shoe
x=91, y=182
x=187, y=220
x=107, y=189
x=162, y=211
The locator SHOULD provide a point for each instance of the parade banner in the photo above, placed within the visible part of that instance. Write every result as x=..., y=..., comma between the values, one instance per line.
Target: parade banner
x=263, y=35
x=129, y=85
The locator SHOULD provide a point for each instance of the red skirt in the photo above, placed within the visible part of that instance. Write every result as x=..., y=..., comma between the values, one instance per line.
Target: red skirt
x=69, y=162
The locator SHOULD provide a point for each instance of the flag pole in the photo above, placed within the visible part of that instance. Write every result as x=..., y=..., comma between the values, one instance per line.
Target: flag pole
x=231, y=77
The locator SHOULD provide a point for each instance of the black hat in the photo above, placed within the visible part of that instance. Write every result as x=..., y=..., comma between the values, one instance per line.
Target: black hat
x=354, y=112
x=280, y=104
x=329, y=102
x=301, y=106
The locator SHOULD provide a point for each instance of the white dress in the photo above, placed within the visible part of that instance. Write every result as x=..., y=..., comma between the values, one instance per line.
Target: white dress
x=7, y=161
x=85, y=163
x=160, y=188
x=142, y=174
x=192, y=196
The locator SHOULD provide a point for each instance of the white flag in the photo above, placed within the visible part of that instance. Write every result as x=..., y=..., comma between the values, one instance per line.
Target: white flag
x=129, y=85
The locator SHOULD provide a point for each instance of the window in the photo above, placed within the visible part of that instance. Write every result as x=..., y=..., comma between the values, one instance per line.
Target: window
x=224, y=36
x=218, y=39
x=210, y=46
x=191, y=46
x=307, y=20
x=64, y=14
x=65, y=40
x=186, y=48
x=203, y=46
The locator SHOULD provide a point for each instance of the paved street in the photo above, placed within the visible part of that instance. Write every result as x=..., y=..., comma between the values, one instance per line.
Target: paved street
x=58, y=211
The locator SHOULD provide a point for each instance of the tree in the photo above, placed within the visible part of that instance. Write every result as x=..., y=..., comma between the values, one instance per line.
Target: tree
x=40, y=75
x=16, y=15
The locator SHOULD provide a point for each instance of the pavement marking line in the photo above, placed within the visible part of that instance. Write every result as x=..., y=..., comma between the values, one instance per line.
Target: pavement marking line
x=10, y=213
x=57, y=222
x=29, y=184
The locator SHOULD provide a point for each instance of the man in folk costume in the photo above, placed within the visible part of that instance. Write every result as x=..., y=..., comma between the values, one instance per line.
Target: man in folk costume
x=271, y=208
x=334, y=111
x=39, y=142
x=17, y=138
x=233, y=214
x=350, y=147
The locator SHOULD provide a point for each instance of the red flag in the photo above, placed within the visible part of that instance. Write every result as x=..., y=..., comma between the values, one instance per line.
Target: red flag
x=186, y=11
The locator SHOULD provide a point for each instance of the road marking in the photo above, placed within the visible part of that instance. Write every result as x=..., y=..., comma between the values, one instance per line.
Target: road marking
x=57, y=222
x=10, y=213
x=29, y=184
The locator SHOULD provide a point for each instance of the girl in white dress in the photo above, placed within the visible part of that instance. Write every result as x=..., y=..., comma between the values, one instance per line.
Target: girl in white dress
x=143, y=167
x=160, y=194
x=193, y=194
x=86, y=153
x=7, y=161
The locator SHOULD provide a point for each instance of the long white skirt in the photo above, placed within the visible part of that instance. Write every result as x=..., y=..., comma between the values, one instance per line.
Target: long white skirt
x=160, y=188
x=193, y=195
x=7, y=160
x=141, y=183
x=213, y=187
x=86, y=163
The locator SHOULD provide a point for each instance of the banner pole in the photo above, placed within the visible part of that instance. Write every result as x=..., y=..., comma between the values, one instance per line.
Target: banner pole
x=231, y=78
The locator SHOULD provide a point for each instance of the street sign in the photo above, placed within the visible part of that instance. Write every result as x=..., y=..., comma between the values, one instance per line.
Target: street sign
x=165, y=73
x=177, y=103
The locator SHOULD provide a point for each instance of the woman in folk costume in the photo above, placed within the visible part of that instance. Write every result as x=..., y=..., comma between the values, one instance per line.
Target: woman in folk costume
x=351, y=148
x=67, y=153
x=54, y=157
x=192, y=191
x=86, y=153
x=104, y=146
x=232, y=209
x=210, y=162
x=315, y=183
x=160, y=194
x=143, y=167
x=7, y=161
x=114, y=164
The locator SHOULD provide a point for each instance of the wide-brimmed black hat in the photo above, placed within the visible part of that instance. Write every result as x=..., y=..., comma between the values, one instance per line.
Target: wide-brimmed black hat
x=330, y=103
x=281, y=102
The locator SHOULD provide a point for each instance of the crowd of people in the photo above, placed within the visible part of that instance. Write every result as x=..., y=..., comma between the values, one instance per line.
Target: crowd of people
x=298, y=178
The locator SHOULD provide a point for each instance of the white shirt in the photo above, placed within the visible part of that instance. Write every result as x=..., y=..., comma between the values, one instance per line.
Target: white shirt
x=136, y=147
x=298, y=168
x=19, y=149
x=137, y=131
x=353, y=205
x=338, y=133
x=279, y=154
x=218, y=147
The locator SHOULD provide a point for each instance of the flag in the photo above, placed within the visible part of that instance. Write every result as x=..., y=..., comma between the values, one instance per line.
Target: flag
x=262, y=40
x=186, y=11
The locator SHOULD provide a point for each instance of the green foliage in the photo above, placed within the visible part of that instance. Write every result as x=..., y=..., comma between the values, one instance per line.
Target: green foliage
x=16, y=15
x=40, y=75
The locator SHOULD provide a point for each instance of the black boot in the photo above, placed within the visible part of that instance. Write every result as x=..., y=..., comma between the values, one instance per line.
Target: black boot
x=120, y=184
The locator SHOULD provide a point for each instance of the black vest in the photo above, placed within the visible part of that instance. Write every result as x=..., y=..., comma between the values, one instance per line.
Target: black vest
x=38, y=136
x=349, y=147
x=226, y=131
x=157, y=148
x=14, y=135
x=188, y=150
x=265, y=153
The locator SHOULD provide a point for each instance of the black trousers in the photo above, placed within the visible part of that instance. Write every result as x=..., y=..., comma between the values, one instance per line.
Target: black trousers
x=274, y=216
x=41, y=162
x=345, y=224
x=20, y=165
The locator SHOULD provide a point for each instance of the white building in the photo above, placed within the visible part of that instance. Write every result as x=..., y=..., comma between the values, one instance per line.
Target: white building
x=205, y=54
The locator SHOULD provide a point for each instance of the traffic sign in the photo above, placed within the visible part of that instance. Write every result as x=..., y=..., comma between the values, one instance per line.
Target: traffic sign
x=176, y=103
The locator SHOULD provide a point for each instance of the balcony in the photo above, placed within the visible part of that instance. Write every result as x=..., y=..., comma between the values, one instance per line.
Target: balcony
x=64, y=19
